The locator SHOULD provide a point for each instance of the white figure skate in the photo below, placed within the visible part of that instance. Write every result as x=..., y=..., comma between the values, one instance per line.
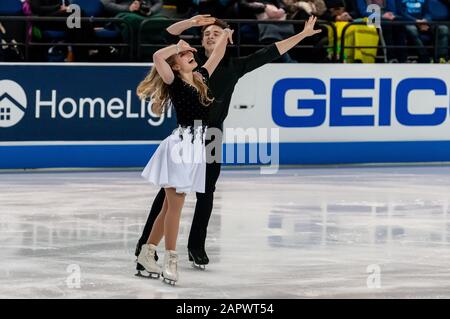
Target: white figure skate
x=146, y=259
x=170, y=272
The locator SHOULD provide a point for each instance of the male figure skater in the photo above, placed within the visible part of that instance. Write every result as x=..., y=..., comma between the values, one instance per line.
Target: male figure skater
x=222, y=84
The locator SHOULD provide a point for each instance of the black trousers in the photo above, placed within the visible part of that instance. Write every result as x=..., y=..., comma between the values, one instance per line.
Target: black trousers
x=203, y=209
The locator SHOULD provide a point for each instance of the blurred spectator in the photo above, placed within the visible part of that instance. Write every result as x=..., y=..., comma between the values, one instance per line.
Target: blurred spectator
x=140, y=7
x=418, y=11
x=393, y=34
x=269, y=33
x=184, y=8
x=58, y=8
x=440, y=11
x=446, y=3
x=134, y=13
x=342, y=13
x=222, y=9
x=341, y=10
x=302, y=10
x=11, y=33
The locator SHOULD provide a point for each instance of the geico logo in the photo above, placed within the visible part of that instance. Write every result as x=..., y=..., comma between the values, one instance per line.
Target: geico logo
x=98, y=107
x=339, y=104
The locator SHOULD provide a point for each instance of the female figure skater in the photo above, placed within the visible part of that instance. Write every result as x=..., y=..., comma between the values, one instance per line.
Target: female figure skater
x=179, y=163
x=222, y=86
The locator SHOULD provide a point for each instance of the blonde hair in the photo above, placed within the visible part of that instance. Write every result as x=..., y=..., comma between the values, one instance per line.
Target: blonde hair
x=153, y=87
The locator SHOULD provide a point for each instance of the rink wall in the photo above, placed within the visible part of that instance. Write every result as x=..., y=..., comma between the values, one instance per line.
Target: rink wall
x=75, y=115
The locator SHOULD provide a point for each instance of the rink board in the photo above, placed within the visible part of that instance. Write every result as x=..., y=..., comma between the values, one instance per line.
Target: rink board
x=89, y=116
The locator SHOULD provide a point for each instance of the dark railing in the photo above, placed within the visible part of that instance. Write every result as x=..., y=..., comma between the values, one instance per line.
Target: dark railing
x=384, y=46
x=135, y=48
x=30, y=43
x=238, y=43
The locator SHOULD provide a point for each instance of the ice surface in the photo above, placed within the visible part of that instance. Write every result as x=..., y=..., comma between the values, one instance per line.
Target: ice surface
x=303, y=233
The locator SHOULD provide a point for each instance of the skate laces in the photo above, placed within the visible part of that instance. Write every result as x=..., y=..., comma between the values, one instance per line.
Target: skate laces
x=150, y=253
x=172, y=262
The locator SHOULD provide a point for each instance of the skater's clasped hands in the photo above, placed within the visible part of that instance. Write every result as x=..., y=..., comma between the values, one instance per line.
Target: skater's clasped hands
x=308, y=30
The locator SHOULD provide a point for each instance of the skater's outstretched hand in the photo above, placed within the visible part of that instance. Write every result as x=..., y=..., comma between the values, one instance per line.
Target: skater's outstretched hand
x=184, y=46
x=308, y=30
x=196, y=21
x=228, y=34
x=287, y=44
x=202, y=20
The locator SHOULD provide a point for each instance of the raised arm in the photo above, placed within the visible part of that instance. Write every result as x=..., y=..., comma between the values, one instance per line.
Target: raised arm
x=287, y=44
x=196, y=21
x=160, y=59
x=219, y=51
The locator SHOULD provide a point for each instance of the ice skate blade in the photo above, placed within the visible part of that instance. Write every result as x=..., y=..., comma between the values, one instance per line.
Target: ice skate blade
x=197, y=266
x=147, y=275
x=168, y=281
x=191, y=258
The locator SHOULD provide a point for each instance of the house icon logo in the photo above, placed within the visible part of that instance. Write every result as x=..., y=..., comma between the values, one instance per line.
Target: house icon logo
x=13, y=103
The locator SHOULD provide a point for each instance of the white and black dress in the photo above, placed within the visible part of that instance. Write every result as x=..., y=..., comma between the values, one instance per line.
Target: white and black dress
x=180, y=160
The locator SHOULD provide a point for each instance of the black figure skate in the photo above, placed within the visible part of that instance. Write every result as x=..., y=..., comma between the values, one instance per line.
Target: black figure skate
x=199, y=258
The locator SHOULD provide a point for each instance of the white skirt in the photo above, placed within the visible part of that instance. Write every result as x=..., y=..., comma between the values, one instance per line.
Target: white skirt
x=179, y=161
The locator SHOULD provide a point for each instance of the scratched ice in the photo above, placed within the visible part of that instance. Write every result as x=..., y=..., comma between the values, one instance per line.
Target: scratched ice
x=303, y=233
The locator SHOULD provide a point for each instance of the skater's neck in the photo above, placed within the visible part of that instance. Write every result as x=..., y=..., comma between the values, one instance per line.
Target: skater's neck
x=187, y=77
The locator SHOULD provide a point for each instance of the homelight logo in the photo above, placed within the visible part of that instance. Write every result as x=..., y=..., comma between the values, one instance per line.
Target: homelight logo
x=13, y=103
